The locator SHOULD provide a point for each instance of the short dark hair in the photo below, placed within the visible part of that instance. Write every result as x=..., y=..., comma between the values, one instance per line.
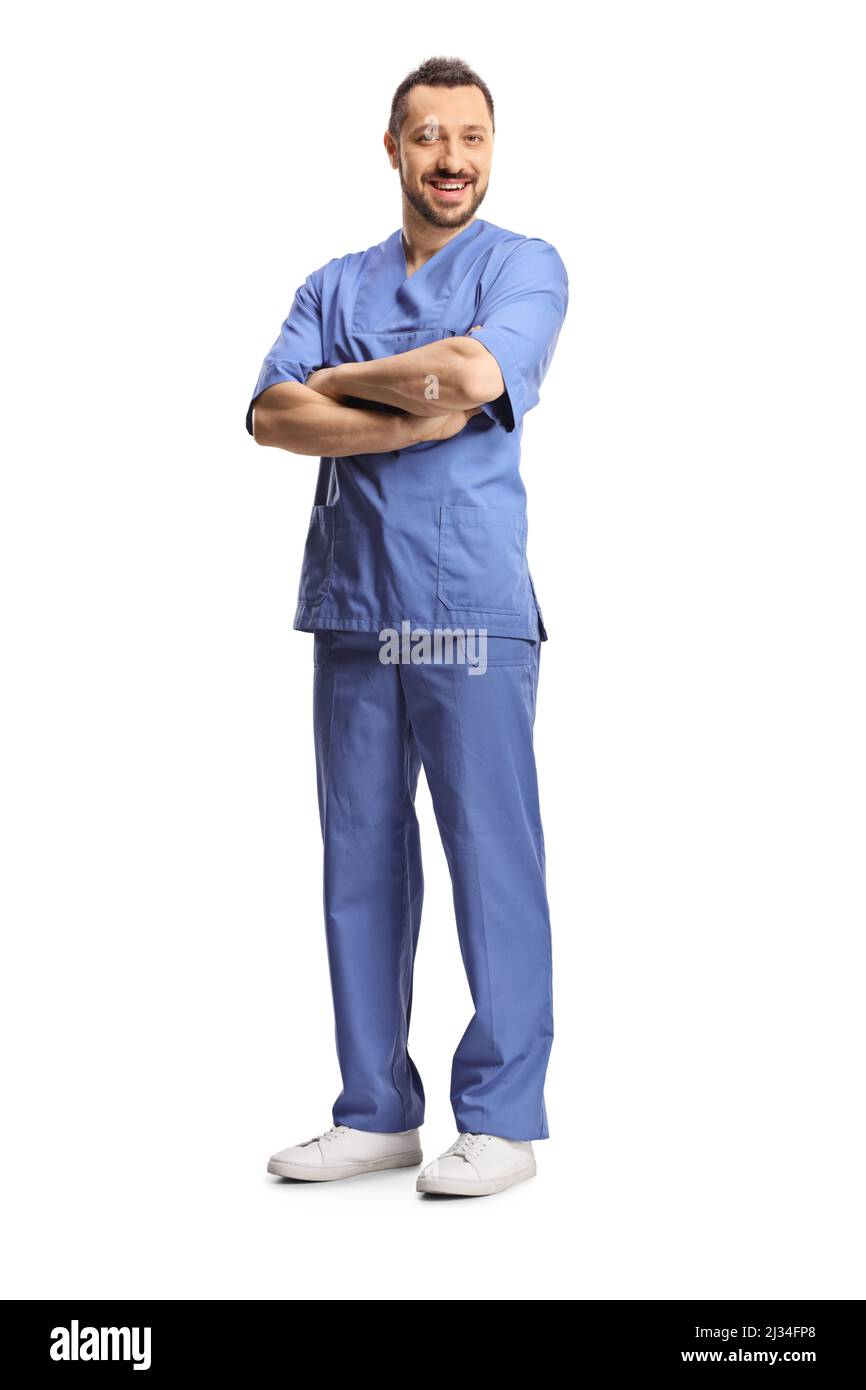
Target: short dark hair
x=435, y=72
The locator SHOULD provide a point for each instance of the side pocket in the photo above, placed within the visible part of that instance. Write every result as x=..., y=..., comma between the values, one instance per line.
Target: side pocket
x=318, y=560
x=482, y=559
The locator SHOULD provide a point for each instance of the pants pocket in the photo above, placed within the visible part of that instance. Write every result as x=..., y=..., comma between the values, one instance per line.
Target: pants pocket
x=318, y=560
x=482, y=559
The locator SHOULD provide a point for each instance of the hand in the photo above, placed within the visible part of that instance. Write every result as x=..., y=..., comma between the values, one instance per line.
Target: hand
x=441, y=427
x=325, y=381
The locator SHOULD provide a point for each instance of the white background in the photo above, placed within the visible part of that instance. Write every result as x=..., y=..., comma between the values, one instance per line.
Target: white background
x=696, y=490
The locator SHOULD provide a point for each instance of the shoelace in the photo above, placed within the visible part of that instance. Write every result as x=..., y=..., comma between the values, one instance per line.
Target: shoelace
x=466, y=1145
x=332, y=1132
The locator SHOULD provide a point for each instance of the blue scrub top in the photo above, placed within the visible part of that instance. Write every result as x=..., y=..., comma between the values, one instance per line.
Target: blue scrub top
x=436, y=533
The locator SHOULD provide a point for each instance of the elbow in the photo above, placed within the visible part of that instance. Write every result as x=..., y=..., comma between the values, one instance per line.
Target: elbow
x=484, y=386
x=480, y=377
x=263, y=424
x=277, y=428
x=274, y=415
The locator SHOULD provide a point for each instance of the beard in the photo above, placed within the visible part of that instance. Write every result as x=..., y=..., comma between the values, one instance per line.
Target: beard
x=444, y=216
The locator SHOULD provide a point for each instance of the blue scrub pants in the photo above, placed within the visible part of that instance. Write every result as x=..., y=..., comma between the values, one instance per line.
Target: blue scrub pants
x=375, y=725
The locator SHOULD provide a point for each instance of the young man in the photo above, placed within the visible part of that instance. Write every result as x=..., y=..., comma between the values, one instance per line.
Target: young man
x=408, y=368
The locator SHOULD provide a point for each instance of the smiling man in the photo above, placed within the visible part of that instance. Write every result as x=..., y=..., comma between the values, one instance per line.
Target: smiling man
x=408, y=369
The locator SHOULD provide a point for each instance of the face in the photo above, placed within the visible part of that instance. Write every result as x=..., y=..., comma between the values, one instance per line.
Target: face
x=445, y=153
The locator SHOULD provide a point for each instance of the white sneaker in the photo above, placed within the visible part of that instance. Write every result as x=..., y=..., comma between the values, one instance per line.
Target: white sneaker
x=343, y=1152
x=478, y=1164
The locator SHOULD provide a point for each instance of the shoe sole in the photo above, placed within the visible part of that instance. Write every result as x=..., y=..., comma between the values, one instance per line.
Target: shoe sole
x=454, y=1187
x=346, y=1170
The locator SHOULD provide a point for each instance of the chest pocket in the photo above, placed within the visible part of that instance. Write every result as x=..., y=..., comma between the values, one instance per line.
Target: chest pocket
x=482, y=559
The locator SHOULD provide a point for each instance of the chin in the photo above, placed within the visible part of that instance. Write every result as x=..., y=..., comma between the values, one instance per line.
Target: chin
x=445, y=216
x=449, y=218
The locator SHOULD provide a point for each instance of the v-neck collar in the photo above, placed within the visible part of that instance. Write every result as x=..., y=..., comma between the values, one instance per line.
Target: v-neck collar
x=388, y=301
x=462, y=236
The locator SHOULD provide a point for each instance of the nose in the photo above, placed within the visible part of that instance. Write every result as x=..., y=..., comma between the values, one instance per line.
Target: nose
x=447, y=164
x=449, y=158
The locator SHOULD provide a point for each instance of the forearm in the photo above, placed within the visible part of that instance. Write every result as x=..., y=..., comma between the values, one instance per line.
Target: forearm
x=303, y=421
x=450, y=375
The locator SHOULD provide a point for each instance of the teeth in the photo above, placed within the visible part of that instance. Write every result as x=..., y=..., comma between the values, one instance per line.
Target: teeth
x=448, y=187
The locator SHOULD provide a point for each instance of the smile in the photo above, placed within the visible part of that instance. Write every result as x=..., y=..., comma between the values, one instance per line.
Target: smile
x=449, y=189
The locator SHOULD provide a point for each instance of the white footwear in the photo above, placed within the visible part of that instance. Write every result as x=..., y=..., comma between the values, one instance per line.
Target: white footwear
x=343, y=1152
x=478, y=1164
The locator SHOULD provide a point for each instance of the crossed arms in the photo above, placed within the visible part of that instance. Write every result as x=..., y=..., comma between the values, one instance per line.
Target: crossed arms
x=315, y=419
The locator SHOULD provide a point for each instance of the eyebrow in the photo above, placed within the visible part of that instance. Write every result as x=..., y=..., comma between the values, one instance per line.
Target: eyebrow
x=425, y=125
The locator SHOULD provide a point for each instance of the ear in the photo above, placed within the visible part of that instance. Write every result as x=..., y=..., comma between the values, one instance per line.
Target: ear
x=391, y=148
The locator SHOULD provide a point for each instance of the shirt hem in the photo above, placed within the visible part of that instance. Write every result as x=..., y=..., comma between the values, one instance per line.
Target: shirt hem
x=306, y=619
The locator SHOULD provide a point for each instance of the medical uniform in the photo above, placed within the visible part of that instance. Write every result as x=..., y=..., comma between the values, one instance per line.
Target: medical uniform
x=435, y=535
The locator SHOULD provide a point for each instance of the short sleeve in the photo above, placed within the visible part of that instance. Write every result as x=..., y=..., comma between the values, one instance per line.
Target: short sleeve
x=298, y=350
x=520, y=317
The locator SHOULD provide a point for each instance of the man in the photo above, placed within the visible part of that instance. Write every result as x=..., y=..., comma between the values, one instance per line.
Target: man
x=408, y=368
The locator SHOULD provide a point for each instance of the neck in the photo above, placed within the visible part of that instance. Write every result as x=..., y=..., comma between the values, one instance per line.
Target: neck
x=421, y=240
